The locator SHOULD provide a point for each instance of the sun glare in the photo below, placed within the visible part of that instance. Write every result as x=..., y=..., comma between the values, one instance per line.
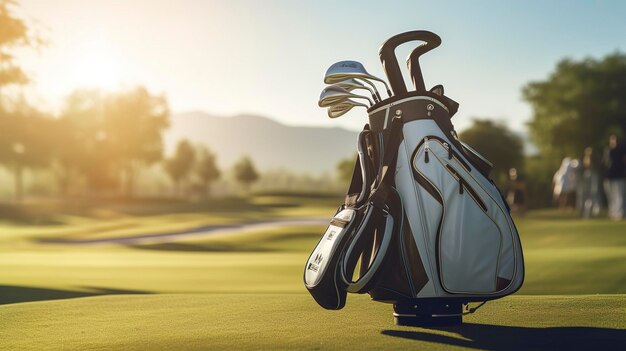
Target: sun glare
x=98, y=70
x=97, y=66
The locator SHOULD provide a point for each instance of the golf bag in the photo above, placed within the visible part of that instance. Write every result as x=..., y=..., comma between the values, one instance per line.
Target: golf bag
x=423, y=226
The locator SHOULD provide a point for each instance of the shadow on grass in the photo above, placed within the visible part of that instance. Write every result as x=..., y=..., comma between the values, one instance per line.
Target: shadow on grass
x=15, y=294
x=495, y=337
x=208, y=247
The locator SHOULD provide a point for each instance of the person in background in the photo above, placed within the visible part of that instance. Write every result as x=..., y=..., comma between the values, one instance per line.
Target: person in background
x=614, y=162
x=588, y=195
x=564, y=182
x=516, y=192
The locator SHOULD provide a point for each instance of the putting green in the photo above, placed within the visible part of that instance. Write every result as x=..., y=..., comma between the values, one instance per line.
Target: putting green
x=294, y=321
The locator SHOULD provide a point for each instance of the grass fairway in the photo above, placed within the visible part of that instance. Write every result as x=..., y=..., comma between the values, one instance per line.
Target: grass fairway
x=294, y=321
x=245, y=291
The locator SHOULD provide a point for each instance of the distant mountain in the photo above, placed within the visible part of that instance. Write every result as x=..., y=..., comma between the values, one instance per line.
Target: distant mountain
x=270, y=144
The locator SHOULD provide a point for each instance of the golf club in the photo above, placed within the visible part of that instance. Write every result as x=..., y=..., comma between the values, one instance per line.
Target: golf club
x=343, y=70
x=334, y=93
x=343, y=107
x=352, y=84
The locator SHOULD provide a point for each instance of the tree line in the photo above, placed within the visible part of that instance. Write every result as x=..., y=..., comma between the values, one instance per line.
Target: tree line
x=100, y=140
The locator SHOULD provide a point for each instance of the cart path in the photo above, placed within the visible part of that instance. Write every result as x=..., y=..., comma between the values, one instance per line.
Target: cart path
x=198, y=232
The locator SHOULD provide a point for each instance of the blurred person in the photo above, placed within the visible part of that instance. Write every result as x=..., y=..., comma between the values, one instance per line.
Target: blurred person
x=614, y=163
x=564, y=182
x=588, y=194
x=516, y=192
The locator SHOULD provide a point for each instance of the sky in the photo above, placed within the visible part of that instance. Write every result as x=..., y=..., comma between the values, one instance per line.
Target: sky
x=268, y=57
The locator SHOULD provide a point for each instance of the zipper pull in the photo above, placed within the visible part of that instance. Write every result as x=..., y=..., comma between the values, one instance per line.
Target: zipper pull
x=426, y=149
x=460, y=185
x=447, y=146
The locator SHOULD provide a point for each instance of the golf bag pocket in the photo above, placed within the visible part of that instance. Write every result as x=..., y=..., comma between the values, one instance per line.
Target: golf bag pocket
x=474, y=239
x=322, y=271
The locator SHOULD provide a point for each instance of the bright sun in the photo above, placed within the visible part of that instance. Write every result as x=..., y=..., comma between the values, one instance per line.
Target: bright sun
x=97, y=67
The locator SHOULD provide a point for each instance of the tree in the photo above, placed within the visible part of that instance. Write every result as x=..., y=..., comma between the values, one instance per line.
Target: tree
x=496, y=143
x=577, y=105
x=134, y=121
x=18, y=147
x=25, y=142
x=82, y=145
x=206, y=168
x=13, y=33
x=245, y=173
x=180, y=165
x=106, y=136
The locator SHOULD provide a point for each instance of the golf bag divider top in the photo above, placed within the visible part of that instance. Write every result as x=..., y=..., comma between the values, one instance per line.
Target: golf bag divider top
x=423, y=224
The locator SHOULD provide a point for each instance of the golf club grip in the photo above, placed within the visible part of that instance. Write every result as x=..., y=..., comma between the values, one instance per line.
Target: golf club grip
x=388, y=58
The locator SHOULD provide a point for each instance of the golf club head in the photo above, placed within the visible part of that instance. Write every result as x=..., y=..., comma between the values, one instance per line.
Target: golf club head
x=348, y=69
x=342, y=107
x=353, y=84
x=334, y=93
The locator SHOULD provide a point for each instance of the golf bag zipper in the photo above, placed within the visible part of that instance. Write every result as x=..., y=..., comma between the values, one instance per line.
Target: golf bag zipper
x=451, y=153
x=447, y=146
x=429, y=139
x=463, y=184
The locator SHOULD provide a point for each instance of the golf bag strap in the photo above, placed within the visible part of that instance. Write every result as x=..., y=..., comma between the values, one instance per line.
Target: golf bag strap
x=371, y=242
x=356, y=184
x=386, y=175
x=361, y=177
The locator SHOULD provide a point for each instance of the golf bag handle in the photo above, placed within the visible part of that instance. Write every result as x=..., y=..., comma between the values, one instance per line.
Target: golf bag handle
x=388, y=58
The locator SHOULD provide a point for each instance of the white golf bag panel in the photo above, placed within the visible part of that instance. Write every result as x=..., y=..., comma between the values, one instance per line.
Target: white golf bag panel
x=329, y=243
x=467, y=241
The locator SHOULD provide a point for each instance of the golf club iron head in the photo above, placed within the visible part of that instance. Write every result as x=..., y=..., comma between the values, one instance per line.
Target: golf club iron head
x=347, y=69
x=341, y=108
x=353, y=84
x=334, y=93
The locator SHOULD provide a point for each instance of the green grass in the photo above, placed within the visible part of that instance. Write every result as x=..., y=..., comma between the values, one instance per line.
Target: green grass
x=244, y=290
x=294, y=321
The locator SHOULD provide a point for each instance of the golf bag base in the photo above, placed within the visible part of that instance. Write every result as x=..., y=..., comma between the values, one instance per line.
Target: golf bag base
x=428, y=312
